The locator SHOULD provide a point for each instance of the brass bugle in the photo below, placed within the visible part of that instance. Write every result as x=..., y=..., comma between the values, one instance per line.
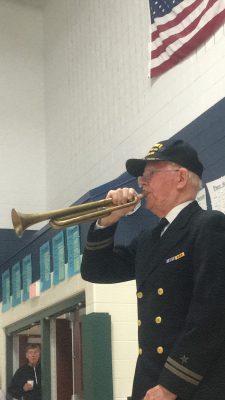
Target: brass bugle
x=64, y=217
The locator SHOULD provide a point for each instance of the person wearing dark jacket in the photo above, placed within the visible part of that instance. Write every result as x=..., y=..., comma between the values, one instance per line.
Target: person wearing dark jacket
x=179, y=273
x=26, y=382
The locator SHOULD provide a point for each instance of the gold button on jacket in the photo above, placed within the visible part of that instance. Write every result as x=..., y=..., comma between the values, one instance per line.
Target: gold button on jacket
x=160, y=349
x=160, y=291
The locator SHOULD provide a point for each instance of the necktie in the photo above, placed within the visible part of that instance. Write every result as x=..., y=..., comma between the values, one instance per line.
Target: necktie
x=158, y=229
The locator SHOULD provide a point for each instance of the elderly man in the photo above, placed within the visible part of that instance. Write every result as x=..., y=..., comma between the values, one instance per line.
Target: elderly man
x=26, y=382
x=179, y=269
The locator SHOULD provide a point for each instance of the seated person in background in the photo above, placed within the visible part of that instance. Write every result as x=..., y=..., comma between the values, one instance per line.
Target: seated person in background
x=26, y=382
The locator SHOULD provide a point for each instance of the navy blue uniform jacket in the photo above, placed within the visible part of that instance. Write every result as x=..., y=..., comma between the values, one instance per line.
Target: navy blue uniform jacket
x=181, y=300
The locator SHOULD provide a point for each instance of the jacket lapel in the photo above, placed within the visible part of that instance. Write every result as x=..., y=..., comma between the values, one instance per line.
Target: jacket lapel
x=155, y=252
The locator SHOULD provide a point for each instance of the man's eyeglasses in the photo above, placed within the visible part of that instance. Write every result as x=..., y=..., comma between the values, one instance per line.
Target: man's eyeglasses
x=147, y=176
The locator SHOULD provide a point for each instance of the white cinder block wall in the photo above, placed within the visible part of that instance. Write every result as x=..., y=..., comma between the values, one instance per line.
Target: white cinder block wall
x=119, y=301
x=73, y=78
x=22, y=130
x=100, y=106
x=96, y=87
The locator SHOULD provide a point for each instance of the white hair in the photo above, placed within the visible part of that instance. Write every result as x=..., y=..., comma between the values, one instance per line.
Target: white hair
x=194, y=180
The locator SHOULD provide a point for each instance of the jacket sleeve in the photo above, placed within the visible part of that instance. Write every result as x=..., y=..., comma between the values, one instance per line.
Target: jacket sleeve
x=200, y=342
x=15, y=388
x=103, y=262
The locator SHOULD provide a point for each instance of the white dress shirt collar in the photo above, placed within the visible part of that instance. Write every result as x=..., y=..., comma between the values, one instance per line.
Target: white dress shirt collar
x=172, y=214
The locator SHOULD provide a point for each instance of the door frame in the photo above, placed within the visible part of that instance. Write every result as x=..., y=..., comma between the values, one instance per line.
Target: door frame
x=43, y=318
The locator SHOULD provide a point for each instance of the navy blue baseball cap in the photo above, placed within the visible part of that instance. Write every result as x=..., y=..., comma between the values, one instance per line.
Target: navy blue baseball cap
x=177, y=151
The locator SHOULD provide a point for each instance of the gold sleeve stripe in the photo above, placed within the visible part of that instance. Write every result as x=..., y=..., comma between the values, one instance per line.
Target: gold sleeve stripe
x=184, y=369
x=99, y=245
x=181, y=375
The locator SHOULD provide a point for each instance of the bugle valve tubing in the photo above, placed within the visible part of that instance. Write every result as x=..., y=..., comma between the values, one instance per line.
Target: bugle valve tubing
x=64, y=217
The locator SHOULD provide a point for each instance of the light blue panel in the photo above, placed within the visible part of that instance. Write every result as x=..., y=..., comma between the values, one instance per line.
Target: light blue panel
x=73, y=249
x=45, y=267
x=16, y=284
x=6, y=303
x=27, y=276
x=58, y=258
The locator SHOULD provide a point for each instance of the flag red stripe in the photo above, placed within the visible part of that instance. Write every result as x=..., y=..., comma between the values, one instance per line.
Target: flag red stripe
x=185, y=50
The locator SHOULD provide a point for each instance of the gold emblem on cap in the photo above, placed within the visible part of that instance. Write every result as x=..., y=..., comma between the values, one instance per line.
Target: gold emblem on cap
x=155, y=148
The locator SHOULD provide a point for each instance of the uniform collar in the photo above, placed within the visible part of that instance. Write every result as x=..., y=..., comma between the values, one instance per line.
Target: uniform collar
x=172, y=214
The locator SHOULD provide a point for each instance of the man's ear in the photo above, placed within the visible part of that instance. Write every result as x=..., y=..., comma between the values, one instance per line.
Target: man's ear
x=182, y=178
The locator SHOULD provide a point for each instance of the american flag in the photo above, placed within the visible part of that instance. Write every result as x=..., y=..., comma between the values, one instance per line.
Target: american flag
x=180, y=26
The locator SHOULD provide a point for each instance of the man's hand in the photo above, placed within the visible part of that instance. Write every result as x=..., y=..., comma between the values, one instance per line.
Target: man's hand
x=119, y=196
x=159, y=393
x=27, y=387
